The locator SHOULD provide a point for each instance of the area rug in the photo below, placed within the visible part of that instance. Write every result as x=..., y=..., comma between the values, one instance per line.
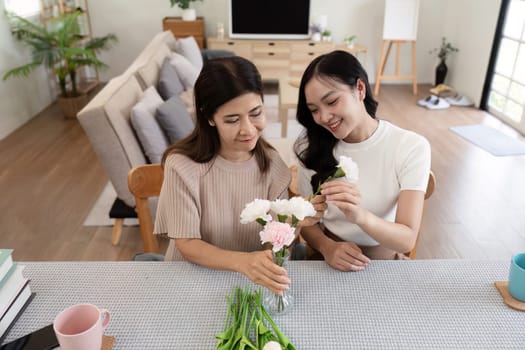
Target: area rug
x=490, y=139
x=99, y=214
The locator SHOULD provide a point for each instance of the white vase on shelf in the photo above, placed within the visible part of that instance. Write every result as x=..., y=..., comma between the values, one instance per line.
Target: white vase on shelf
x=189, y=15
x=316, y=36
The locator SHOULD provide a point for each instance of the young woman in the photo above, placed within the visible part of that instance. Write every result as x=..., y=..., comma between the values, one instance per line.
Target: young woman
x=378, y=217
x=211, y=175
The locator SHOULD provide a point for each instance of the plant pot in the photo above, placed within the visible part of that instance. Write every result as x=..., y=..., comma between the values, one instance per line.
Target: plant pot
x=441, y=72
x=70, y=106
x=189, y=15
x=316, y=37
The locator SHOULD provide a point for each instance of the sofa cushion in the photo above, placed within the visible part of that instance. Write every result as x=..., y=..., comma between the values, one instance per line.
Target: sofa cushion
x=187, y=72
x=174, y=119
x=169, y=81
x=151, y=137
x=189, y=48
x=148, y=74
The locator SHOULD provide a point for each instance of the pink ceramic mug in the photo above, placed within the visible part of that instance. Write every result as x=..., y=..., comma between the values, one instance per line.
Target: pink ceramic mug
x=80, y=327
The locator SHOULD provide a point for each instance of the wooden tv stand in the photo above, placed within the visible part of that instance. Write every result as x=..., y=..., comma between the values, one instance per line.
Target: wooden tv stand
x=274, y=58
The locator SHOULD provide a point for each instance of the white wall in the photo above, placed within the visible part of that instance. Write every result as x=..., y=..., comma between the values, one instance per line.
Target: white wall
x=20, y=98
x=471, y=28
x=465, y=23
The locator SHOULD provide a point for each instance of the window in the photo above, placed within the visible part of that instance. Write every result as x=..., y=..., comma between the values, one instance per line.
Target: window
x=23, y=8
x=506, y=95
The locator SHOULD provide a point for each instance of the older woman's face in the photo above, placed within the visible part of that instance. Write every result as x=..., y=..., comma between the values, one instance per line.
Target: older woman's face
x=240, y=123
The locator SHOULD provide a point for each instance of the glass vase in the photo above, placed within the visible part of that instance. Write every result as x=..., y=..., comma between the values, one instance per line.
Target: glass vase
x=277, y=304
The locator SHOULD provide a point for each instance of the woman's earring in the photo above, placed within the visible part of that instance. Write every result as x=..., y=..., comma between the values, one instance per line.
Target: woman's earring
x=212, y=123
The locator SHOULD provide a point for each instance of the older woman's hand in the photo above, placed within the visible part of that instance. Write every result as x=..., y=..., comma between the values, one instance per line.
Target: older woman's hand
x=260, y=269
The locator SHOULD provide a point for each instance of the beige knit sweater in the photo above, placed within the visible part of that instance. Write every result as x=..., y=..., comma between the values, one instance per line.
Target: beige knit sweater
x=205, y=200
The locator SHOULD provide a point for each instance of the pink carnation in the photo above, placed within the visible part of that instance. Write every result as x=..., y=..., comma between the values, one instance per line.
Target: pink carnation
x=279, y=234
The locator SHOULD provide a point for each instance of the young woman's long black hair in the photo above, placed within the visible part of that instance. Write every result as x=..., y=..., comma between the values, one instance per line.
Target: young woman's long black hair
x=315, y=148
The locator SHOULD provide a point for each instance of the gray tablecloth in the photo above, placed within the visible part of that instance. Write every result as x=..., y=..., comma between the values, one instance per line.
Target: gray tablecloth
x=422, y=304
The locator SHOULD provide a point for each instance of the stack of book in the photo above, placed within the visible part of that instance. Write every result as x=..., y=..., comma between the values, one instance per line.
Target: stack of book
x=15, y=293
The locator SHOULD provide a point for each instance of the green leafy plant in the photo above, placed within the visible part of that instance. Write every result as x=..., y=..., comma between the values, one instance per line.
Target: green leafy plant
x=183, y=4
x=349, y=39
x=61, y=48
x=445, y=50
x=326, y=32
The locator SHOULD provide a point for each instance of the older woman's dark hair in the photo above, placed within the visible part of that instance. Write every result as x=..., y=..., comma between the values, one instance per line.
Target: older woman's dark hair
x=221, y=80
x=315, y=147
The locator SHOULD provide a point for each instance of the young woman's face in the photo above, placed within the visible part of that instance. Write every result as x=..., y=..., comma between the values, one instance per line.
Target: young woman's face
x=240, y=123
x=335, y=106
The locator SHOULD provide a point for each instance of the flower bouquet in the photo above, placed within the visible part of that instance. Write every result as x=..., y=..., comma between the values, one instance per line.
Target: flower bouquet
x=280, y=234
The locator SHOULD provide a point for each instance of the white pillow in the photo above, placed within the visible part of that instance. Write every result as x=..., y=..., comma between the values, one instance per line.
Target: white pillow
x=151, y=137
x=187, y=72
x=189, y=48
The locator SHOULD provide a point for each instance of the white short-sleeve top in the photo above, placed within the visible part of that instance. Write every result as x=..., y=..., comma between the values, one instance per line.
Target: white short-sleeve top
x=391, y=160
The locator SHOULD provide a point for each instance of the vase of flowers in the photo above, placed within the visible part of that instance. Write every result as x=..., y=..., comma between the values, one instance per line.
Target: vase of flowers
x=280, y=234
x=445, y=50
x=279, y=304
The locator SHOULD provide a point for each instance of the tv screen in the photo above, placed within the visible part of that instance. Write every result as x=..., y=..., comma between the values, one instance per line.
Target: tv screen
x=269, y=19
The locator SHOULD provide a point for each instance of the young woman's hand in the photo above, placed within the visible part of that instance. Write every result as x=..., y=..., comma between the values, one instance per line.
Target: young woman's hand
x=345, y=256
x=260, y=269
x=345, y=196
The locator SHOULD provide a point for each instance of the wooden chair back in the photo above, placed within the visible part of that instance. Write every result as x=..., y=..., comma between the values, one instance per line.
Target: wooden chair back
x=431, y=186
x=145, y=181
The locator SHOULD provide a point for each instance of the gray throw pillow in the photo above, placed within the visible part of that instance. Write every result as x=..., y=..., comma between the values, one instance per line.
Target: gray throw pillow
x=174, y=119
x=189, y=48
x=187, y=72
x=150, y=135
x=169, y=81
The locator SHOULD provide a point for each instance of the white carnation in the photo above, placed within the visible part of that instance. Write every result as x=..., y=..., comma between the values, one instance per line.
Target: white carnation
x=349, y=167
x=258, y=208
x=281, y=206
x=272, y=345
x=301, y=208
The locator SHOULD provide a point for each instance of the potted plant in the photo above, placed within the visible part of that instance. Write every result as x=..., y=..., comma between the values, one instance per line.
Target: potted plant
x=445, y=50
x=62, y=49
x=349, y=41
x=188, y=14
x=326, y=35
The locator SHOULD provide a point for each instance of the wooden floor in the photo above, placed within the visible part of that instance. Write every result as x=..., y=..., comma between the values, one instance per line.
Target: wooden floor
x=50, y=178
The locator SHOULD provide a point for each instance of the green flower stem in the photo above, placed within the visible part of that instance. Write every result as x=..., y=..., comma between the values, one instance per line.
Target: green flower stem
x=247, y=317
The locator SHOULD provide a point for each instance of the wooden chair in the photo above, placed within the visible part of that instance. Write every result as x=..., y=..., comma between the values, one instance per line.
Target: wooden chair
x=431, y=186
x=145, y=181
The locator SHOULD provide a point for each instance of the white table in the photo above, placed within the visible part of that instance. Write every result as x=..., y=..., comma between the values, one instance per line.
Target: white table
x=422, y=304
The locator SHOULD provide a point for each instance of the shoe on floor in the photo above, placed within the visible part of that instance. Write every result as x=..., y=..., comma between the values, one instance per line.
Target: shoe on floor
x=460, y=100
x=443, y=90
x=430, y=99
x=439, y=103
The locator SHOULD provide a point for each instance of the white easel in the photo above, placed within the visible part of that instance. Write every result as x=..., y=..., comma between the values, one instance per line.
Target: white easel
x=400, y=26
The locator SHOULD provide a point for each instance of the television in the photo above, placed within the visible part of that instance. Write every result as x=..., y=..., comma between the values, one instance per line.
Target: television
x=269, y=19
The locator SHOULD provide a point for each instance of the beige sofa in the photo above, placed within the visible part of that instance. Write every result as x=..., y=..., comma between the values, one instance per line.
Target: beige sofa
x=106, y=119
